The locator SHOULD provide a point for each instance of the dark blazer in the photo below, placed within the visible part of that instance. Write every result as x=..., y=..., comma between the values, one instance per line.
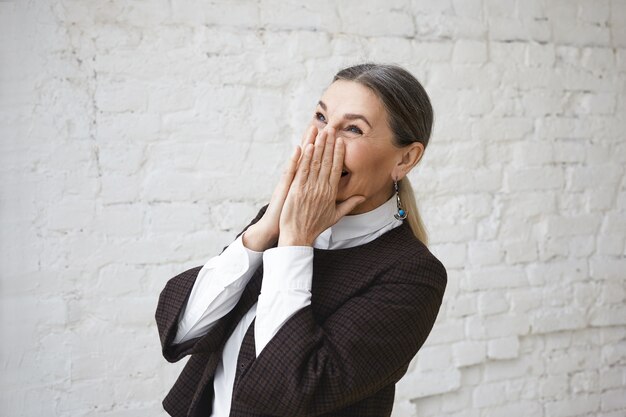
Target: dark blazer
x=372, y=307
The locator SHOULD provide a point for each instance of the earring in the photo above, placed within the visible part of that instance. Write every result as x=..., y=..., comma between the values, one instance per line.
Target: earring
x=401, y=214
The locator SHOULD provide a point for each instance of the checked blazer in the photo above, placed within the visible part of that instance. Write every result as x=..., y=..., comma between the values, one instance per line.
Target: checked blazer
x=372, y=307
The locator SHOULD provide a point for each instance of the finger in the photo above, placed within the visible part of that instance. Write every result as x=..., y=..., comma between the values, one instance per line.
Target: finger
x=347, y=206
x=338, y=155
x=282, y=189
x=304, y=166
x=318, y=151
x=308, y=136
x=289, y=172
x=327, y=156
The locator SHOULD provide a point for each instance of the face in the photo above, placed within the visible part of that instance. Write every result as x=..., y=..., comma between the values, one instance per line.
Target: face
x=370, y=164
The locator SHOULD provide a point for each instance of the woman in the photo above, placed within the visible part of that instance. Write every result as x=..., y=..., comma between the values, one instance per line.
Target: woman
x=348, y=289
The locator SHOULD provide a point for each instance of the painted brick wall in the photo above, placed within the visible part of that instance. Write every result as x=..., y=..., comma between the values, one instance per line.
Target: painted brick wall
x=138, y=137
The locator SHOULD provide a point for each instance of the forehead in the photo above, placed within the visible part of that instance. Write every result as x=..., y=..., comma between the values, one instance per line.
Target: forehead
x=351, y=97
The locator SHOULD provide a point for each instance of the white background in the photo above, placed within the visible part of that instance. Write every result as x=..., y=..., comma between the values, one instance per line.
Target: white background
x=138, y=137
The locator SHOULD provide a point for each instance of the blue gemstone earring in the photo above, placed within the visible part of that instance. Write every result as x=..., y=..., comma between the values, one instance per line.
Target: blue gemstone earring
x=401, y=214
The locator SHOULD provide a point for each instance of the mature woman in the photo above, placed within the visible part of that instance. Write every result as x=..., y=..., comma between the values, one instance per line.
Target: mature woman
x=348, y=289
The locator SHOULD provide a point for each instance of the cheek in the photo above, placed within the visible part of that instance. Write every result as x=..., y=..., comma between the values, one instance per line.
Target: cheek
x=356, y=156
x=362, y=159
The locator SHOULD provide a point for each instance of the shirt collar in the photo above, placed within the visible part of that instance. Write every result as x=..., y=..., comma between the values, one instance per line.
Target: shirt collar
x=357, y=225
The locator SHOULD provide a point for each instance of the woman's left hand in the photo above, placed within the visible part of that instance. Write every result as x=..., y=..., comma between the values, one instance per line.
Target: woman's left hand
x=310, y=206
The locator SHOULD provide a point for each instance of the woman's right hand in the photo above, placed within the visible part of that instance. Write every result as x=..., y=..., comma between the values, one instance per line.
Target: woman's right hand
x=264, y=234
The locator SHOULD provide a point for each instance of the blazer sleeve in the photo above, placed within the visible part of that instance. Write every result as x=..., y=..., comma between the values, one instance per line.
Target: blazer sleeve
x=170, y=305
x=309, y=368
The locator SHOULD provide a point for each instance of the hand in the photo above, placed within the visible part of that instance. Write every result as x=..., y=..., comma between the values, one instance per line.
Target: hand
x=310, y=205
x=264, y=233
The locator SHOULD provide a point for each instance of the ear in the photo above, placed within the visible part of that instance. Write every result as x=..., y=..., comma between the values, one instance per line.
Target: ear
x=408, y=157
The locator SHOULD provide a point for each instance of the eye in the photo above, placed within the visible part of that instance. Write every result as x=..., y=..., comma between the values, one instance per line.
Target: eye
x=319, y=116
x=354, y=129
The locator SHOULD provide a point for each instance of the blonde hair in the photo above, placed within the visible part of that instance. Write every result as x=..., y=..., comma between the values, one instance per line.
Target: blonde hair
x=409, y=204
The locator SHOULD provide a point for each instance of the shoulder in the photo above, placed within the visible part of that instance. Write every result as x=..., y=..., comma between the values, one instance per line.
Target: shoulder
x=409, y=259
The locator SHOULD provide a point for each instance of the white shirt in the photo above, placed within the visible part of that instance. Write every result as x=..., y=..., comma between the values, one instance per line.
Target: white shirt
x=285, y=289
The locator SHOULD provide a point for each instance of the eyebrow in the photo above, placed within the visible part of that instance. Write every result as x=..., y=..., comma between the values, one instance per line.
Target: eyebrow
x=349, y=116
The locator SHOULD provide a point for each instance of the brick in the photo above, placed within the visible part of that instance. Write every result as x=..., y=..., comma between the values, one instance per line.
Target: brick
x=608, y=315
x=613, y=354
x=524, y=299
x=488, y=395
x=71, y=214
x=371, y=23
x=446, y=76
x=424, y=384
x=572, y=225
x=612, y=293
x=553, y=386
x=613, y=222
x=539, y=102
x=585, y=294
x=428, y=52
x=611, y=378
x=612, y=400
x=520, y=252
x=580, y=34
x=508, y=369
x=573, y=360
x=581, y=246
x=582, y=382
x=494, y=277
x=572, y=406
x=462, y=306
x=391, y=49
x=429, y=406
x=595, y=12
x=497, y=326
x=492, y=302
x=607, y=268
x=122, y=96
x=468, y=353
x=459, y=155
x=543, y=178
x=456, y=401
x=581, y=104
x=598, y=59
x=121, y=220
x=431, y=358
x=547, y=321
x=534, y=203
x=485, y=253
x=600, y=198
x=469, y=52
x=508, y=53
x=503, y=348
x=516, y=409
x=532, y=153
x=540, y=55
x=511, y=29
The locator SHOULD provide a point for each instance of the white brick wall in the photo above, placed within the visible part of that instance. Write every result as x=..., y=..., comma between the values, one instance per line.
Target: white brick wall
x=137, y=138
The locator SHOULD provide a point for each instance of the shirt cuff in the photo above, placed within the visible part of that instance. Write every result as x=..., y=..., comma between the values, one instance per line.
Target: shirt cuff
x=230, y=262
x=287, y=267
